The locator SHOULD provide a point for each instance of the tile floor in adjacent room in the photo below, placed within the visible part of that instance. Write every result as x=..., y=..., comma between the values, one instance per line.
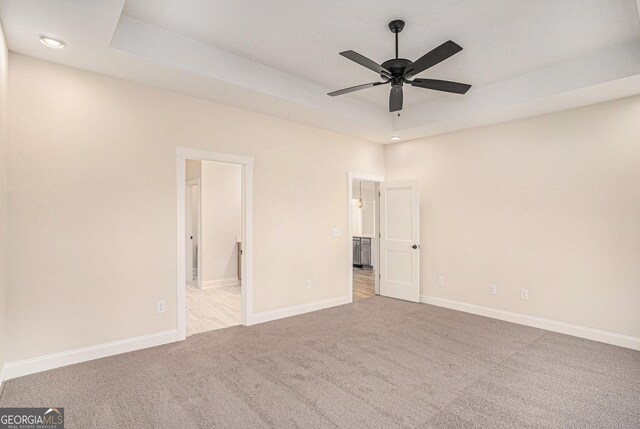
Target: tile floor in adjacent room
x=213, y=308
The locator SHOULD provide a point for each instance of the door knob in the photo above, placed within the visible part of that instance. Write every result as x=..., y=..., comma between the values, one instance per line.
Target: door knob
x=415, y=246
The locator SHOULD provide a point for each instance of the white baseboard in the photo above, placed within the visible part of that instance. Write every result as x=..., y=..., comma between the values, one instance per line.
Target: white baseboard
x=232, y=281
x=2, y=373
x=268, y=316
x=537, y=322
x=56, y=360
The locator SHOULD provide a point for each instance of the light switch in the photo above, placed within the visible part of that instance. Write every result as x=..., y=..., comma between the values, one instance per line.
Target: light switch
x=337, y=232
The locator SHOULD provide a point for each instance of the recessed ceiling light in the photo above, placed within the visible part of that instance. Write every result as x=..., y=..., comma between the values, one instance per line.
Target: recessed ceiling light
x=52, y=43
x=394, y=138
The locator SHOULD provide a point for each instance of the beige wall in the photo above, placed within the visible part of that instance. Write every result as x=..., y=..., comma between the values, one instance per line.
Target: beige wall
x=551, y=204
x=221, y=221
x=4, y=57
x=193, y=169
x=93, y=232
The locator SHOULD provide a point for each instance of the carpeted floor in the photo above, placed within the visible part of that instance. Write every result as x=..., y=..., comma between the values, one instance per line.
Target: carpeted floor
x=376, y=363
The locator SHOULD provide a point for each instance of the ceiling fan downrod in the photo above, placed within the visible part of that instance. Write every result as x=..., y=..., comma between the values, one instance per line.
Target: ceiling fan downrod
x=396, y=26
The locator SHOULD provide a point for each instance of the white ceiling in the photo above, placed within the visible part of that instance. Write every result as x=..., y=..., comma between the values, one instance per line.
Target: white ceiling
x=281, y=57
x=501, y=38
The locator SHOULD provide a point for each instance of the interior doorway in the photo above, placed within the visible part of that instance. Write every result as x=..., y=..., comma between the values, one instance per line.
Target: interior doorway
x=213, y=236
x=192, y=223
x=214, y=241
x=384, y=238
x=364, y=226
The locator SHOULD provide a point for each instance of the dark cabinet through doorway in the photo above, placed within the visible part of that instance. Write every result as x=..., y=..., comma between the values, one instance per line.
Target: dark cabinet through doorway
x=362, y=252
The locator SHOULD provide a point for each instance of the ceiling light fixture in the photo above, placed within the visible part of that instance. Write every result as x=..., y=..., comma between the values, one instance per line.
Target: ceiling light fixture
x=394, y=138
x=398, y=71
x=52, y=43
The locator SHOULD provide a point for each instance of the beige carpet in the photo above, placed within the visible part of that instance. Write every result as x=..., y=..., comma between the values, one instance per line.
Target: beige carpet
x=376, y=363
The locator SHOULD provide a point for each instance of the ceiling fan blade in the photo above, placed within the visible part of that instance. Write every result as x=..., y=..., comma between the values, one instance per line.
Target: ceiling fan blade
x=433, y=57
x=395, y=98
x=366, y=62
x=441, y=85
x=355, y=88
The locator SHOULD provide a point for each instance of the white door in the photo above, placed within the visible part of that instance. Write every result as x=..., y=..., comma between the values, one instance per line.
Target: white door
x=400, y=240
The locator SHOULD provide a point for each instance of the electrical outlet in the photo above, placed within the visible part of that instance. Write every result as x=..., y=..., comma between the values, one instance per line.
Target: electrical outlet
x=307, y=284
x=161, y=307
x=493, y=289
x=440, y=281
x=524, y=293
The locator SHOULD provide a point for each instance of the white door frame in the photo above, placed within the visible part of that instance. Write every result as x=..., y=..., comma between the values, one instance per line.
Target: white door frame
x=372, y=178
x=182, y=154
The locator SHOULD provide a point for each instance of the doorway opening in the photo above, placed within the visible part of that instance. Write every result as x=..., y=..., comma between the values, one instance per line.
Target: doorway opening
x=393, y=234
x=214, y=241
x=364, y=227
x=213, y=235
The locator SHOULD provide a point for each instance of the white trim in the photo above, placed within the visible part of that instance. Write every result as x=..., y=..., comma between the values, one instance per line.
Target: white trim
x=231, y=281
x=57, y=360
x=537, y=322
x=205, y=155
x=364, y=176
x=281, y=313
x=182, y=154
x=372, y=178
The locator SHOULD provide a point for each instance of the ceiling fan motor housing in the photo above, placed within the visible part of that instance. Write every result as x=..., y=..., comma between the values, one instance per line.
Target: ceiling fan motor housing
x=397, y=67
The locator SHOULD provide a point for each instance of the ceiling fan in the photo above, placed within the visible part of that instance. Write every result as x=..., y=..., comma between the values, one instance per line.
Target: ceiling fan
x=398, y=71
